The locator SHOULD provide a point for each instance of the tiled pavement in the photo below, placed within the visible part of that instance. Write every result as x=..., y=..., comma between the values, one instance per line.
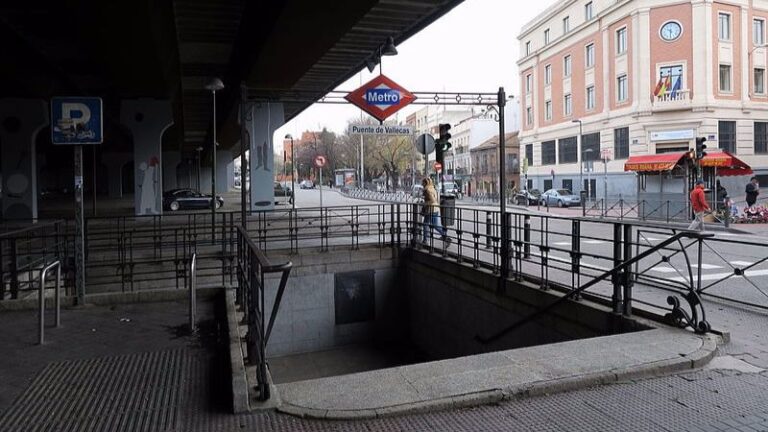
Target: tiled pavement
x=705, y=400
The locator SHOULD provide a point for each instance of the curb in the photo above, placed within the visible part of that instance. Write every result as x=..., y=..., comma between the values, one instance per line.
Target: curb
x=698, y=358
x=240, y=403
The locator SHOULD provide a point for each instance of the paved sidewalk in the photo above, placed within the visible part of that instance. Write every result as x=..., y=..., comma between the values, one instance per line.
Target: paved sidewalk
x=728, y=395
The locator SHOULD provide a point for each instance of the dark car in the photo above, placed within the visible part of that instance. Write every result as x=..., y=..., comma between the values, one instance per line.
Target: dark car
x=178, y=199
x=528, y=197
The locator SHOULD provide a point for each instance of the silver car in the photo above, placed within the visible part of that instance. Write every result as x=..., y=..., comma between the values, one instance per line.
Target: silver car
x=560, y=198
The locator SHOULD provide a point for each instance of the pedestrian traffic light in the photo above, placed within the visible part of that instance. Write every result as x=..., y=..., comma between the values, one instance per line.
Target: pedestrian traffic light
x=442, y=144
x=700, y=147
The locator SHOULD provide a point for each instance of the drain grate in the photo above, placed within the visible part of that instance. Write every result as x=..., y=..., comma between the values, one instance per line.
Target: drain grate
x=119, y=393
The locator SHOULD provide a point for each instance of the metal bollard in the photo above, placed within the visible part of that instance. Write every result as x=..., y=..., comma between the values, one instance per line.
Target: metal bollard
x=488, y=229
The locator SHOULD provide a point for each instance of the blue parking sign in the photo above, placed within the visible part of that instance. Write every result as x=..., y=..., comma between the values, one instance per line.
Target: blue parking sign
x=76, y=120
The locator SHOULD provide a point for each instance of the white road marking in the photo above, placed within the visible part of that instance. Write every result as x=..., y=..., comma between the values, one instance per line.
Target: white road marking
x=562, y=243
x=706, y=266
x=718, y=276
x=664, y=269
x=741, y=263
x=650, y=238
x=593, y=241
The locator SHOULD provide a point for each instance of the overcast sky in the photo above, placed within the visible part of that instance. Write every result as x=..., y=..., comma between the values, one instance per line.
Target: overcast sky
x=473, y=48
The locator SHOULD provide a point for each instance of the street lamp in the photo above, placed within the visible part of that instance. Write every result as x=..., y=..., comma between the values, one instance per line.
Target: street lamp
x=213, y=86
x=199, y=151
x=589, y=177
x=581, y=157
x=293, y=169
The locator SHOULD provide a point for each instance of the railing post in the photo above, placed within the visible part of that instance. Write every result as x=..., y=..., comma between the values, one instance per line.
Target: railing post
x=615, y=277
x=527, y=237
x=14, y=269
x=488, y=229
x=192, y=293
x=506, y=235
x=627, y=273
x=576, y=255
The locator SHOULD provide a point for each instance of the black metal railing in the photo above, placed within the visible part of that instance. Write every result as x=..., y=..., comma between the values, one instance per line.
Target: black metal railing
x=252, y=268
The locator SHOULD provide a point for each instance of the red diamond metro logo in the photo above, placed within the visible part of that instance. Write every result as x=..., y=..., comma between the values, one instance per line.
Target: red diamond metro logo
x=380, y=97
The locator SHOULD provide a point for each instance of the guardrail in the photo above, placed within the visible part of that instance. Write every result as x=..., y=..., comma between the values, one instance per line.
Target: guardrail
x=252, y=267
x=24, y=250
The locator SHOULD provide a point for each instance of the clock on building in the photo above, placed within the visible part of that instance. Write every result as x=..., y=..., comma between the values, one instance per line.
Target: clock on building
x=671, y=30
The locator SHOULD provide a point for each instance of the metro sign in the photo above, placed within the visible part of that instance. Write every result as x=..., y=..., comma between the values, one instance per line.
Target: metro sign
x=380, y=97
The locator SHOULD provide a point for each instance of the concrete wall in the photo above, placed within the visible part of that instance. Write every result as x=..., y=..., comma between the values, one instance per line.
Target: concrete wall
x=451, y=304
x=306, y=319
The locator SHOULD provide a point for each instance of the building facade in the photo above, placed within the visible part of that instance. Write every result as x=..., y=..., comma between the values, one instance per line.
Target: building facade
x=485, y=164
x=615, y=79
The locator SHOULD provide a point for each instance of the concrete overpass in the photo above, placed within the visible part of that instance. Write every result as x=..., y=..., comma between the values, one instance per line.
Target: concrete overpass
x=149, y=62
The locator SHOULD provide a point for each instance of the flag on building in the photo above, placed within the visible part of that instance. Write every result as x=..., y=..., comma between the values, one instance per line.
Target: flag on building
x=662, y=86
x=676, y=87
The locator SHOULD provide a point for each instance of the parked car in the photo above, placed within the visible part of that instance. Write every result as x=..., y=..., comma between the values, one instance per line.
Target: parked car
x=307, y=184
x=560, y=198
x=179, y=199
x=528, y=197
x=283, y=194
x=451, y=189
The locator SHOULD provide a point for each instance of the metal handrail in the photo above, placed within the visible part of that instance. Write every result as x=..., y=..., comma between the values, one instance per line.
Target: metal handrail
x=41, y=321
x=611, y=272
x=193, y=292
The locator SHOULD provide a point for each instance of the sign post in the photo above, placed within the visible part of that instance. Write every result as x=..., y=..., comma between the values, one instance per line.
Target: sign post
x=320, y=163
x=605, y=155
x=77, y=121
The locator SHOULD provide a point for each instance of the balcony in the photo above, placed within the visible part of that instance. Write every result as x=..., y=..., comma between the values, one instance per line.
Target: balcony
x=672, y=100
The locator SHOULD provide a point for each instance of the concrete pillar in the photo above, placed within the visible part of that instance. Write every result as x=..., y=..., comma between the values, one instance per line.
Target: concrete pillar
x=225, y=171
x=147, y=119
x=205, y=179
x=171, y=160
x=703, y=56
x=20, y=122
x=114, y=163
x=265, y=119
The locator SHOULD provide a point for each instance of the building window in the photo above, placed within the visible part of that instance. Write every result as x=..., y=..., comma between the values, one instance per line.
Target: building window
x=590, y=146
x=621, y=143
x=590, y=55
x=726, y=135
x=568, y=105
x=529, y=116
x=621, y=88
x=529, y=154
x=590, y=98
x=567, y=66
x=588, y=11
x=568, y=150
x=758, y=31
x=527, y=47
x=670, y=80
x=568, y=184
x=724, y=26
x=548, y=74
x=548, y=110
x=548, y=153
x=621, y=40
x=546, y=36
x=528, y=83
x=759, y=81
x=761, y=137
x=725, y=78
x=566, y=25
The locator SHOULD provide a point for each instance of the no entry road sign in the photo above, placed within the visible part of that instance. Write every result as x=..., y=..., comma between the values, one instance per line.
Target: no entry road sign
x=320, y=161
x=380, y=97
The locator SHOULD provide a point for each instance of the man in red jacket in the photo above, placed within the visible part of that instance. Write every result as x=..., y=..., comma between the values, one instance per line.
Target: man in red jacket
x=700, y=206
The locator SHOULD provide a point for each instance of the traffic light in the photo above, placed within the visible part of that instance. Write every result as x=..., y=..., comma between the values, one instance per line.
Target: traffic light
x=442, y=144
x=700, y=147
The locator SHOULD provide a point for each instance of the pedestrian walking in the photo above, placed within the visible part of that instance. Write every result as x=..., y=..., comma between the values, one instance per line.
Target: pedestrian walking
x=752, y=190
x=700, y=206
x=431, y=212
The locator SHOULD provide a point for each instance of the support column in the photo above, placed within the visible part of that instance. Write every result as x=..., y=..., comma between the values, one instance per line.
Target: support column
x=20, y=122
x=115, y=163
x=703, y=55
x=265, y=119
x=225, y=171
x=147, y=119
x=171, y=160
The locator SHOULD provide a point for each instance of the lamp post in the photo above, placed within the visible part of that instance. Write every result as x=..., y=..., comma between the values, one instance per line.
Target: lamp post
x=581, y=157
x=293, y=177
x=214, y=85
x=199, y=150
x=589, y=175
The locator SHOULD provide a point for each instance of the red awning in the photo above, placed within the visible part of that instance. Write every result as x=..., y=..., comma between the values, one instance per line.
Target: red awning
x=726, y=163
x=657, y=162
